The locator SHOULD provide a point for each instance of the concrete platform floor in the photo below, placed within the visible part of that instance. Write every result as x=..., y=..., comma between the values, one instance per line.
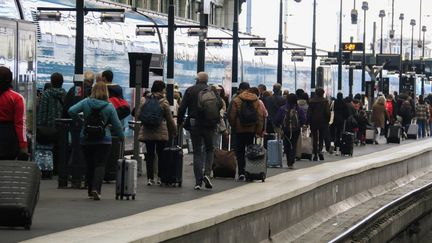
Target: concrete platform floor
x=61, y=209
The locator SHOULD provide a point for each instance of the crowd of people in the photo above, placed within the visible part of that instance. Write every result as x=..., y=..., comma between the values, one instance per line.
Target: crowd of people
x=208, y=114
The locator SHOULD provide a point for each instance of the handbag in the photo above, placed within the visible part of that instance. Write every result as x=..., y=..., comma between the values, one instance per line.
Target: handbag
x=46, y=135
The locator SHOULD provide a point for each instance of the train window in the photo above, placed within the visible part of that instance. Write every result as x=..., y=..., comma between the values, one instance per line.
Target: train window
x=9, y=9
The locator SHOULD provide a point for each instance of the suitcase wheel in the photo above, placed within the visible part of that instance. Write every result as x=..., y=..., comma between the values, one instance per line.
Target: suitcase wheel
x=121, y=197
x=133, y=197
x=117, y=197
x=263, y=177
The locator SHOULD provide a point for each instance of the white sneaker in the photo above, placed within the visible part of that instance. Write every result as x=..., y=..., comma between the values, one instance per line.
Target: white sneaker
x=150, y=182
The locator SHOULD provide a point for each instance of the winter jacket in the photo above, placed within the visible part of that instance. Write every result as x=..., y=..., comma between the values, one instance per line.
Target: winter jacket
x=13, y=111
x=341, y=112
x=379, y=115
x=234, y=119
x=50, y=107
x=280, y=115
x=272, y=104
x=189, y=103
x=304, y=106
x=167, y=127
x=422, y=112
x=71, y=99
x=115, y=90
x=109, y=117
x=319, y=112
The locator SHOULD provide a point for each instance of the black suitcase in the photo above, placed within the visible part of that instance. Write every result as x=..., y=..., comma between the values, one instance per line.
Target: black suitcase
x=171, y=166
x=347, y=143
x=117, y=152
x=19, y=192
x=394, y=134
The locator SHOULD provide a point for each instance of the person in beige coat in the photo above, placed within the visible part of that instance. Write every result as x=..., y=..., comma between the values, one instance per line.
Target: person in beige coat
x=156, y=138
x=379, y=115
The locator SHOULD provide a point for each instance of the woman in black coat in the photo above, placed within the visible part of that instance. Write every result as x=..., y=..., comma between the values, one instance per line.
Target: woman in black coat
x=341, y=113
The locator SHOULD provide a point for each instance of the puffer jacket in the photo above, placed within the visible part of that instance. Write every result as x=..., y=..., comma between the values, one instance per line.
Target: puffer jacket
x=234, y=119
x=50, y=106
x=167, y=127
x=319, y=112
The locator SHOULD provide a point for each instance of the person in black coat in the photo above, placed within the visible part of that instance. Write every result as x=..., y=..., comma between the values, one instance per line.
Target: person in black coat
x=319, y=117
x=341, y=113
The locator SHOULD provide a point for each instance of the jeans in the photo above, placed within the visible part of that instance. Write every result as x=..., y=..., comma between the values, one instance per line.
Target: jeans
x=337, y=135
x=202, y=136
x=290, y=145
x=421, y=128
x=96, y=156
x=153, y=148
x=243, y=140
x=318, y=134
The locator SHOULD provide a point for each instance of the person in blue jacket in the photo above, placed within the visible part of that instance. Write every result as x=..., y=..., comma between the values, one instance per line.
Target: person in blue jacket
x=290, y=118
x=97, y=151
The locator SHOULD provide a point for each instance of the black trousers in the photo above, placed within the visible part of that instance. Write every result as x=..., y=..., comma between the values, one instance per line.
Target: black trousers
x=290, y=145
x=96, y=156
x=243, y=140
x=153, y=148
x=318, y=134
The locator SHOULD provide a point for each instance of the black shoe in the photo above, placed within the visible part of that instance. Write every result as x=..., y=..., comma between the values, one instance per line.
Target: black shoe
x=207, y=182
x=321, y=156
x=315, y=157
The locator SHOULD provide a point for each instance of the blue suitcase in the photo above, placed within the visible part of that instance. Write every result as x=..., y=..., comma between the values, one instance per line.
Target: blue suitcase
x=274, y=153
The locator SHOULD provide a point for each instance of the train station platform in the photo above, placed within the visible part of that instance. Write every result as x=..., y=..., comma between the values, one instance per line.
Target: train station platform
x=231, y=212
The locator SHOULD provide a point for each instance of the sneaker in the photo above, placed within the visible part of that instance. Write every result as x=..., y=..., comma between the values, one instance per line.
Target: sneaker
x=197, y=187
x=242, y=178
x=158, y=181
x=291, y=167
x=89, y=195
x=321, y=156
x=315, y=157
x=207, y=182
x=96, y=196
x=150, y=182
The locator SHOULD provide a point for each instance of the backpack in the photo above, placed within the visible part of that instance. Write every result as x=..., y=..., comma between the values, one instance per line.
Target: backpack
x=94, y=125
x=405, y=109
x=291, y=122
x=151, y=113
x=209, y=106
x=248, y=115
x=122, y=107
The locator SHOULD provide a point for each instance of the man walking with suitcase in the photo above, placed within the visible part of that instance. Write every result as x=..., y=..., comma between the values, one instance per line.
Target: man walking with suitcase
x=203, y=106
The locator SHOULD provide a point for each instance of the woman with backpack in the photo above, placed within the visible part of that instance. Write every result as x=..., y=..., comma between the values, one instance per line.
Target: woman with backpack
x=96, y=135
x=157, y=126
x=291, y=119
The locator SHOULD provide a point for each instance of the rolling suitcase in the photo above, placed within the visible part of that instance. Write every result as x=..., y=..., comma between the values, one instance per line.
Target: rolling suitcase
x=126, y=183
x=394, y=134
x=370, y=135
x=171, y=164
x=117, y=152
x=19, y=192
x=304, y=147
x=256, y=162
x=44, y=160
x=268, y=137
x=413, y=128
x=274, y=153
x=347, y=143
x=225, y=162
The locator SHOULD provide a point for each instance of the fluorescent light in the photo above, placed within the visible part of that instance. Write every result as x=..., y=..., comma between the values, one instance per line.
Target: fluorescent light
x=48, y=16
x=196, y=32
x=257, y=43
x=261, y=52
x=112, y=17
x=214, y=43
x=145, y=31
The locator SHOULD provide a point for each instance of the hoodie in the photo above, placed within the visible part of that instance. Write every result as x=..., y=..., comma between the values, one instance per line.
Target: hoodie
x=234, y=119
x=109, y=116
x=50, y=107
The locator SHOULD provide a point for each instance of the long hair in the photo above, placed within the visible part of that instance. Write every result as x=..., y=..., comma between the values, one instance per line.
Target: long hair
x=5, y=79
x=100, y=91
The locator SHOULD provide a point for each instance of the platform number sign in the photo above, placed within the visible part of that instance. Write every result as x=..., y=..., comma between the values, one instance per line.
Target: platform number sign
x=352, y=46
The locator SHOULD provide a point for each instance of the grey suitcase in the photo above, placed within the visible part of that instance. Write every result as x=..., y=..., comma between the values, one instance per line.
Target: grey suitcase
x=19, y=192
x=412, y=132
x=126, y=183
x=256, y=162
x=274, y=153
x=370, y=135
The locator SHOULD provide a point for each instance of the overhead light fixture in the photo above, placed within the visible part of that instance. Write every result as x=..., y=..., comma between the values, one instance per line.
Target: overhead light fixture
x=261, y=52
x=214, y=43
x=48, y=16
x=328, y=61
x=355, y=64
x=300, y=53
x=145, y=31
x=257, y=43
x=297, y=59
x=112, y=17
x=196, y=32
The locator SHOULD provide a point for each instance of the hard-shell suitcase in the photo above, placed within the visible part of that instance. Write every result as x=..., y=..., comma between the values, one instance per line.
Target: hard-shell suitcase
x=274, y=153
x=45, y=160
x=370, y=135
x=126, y=183
x=412, y=132
x=256, y=162
x=117, y=152
x=304, y=145
x=171, y=166
x=347, y=143
x=394, y=134
x=19, y=192
x=268, y=137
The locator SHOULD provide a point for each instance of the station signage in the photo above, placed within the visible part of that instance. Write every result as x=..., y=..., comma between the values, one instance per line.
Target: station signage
x=352, y=46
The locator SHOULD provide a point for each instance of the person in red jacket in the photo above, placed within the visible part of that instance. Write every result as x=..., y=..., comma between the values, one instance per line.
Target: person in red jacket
x=13, y=140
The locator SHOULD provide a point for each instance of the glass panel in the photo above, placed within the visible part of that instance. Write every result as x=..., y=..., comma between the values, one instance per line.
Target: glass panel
x=8, y=45
x=9, y=9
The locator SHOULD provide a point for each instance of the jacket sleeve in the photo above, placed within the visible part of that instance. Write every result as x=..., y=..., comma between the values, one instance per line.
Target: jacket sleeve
x=172, y=128
x=232, y=115
x=302, y=117
x=42, y=113
x=76, y=109
x=183, y=107
x=279, y=116
x=260, y=124
x=20, y=122
x=115, y=122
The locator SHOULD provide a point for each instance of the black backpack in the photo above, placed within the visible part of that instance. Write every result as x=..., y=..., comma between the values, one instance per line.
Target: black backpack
x=151, y=113
x=291, y=122
x=248, y=115
x=94, y=125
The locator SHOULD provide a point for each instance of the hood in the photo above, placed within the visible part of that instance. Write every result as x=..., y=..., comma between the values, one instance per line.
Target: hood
x=248, y=96
x=114, y=90
x=96, y=104
x=158, y=95
x=302, y=103
x=58, y=93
